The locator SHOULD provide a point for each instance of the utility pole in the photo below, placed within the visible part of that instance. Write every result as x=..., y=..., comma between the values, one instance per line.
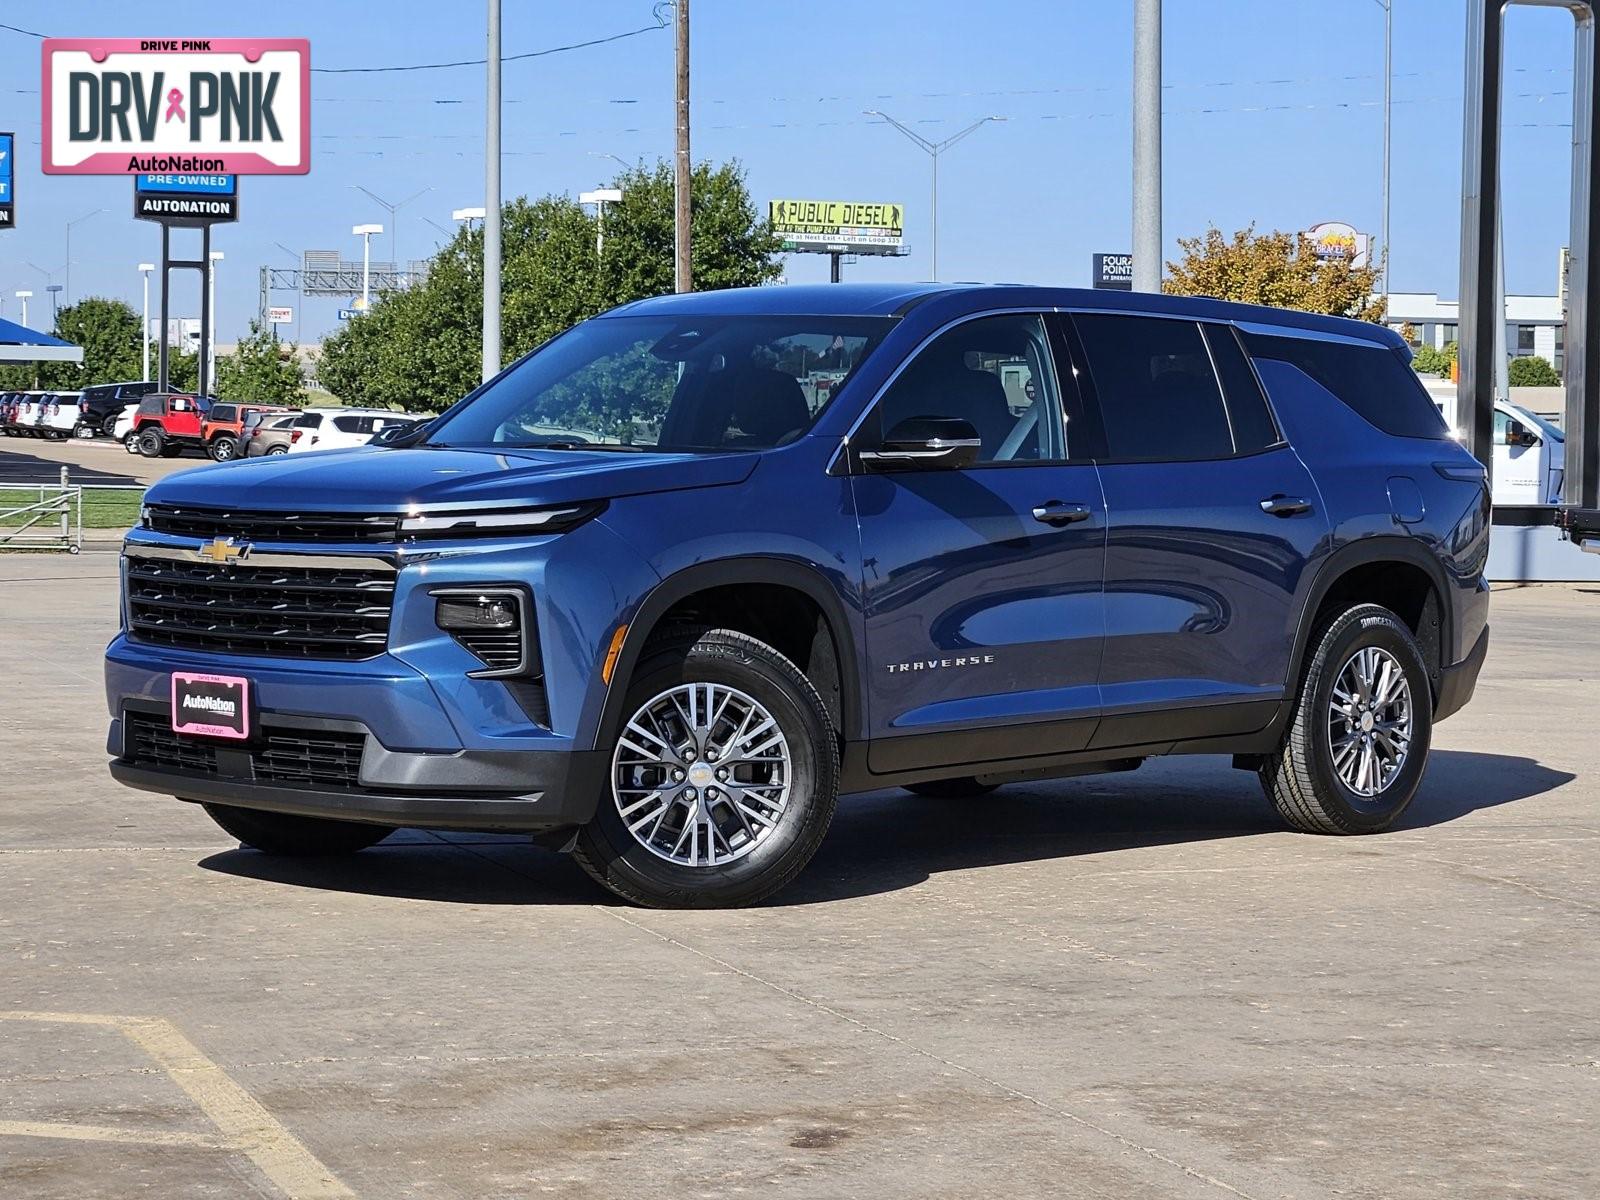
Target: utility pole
x=1388, y=112
x=144, y=328
x=1147, y=145
x=491, y=202
x=682, y=274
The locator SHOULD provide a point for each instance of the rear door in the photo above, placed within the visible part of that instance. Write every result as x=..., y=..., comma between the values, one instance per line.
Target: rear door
x=982, y=584
x=1212, y=521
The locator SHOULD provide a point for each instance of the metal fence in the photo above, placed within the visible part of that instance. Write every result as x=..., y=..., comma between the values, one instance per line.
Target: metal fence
x=52, y=522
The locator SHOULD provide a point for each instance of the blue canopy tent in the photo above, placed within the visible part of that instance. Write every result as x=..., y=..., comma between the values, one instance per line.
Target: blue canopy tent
x=18, y=343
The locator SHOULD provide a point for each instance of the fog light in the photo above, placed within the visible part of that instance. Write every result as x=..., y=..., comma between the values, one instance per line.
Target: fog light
x=468, y=614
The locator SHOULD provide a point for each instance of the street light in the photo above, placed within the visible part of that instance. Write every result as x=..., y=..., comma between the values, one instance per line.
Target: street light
x=55, y=292
x=24, y=296
x=144, y=329
x=600, y=197
x=211, y=321
x=67, y=276
x=933, y=150
x=469, y=214
x=626, y=165
x=394, y=223
x=365, y=232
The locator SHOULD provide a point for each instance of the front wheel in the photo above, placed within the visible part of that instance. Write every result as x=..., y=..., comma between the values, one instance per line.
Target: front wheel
x=223, y=448
x=130, y=442
x=281, y=833
x=1356, y=747
x=723, y=779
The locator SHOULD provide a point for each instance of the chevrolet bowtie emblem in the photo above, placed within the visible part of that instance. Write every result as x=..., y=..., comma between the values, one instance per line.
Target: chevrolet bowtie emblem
x=221, y=550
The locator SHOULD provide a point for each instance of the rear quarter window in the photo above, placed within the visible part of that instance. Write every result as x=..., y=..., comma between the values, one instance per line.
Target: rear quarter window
x=222, y=412
x=1371, y=380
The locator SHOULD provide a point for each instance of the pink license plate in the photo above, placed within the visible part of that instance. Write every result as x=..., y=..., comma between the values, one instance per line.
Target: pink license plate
x=211, y=705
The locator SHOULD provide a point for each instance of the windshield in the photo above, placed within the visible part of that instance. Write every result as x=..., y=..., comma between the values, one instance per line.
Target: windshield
x=689, y=385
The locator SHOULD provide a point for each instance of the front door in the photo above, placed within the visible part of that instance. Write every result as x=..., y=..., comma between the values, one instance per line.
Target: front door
x=1213, y=521
x=982, y=584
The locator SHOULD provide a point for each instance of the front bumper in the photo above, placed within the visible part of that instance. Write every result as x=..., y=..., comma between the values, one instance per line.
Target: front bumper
x=489, y=790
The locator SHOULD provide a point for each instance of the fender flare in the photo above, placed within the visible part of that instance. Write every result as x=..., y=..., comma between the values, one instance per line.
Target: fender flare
x=780, y=572
x=1378, y=548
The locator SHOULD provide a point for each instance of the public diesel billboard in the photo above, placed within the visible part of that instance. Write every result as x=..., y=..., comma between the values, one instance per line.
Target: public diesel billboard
x=839, y=226
x=131, y=106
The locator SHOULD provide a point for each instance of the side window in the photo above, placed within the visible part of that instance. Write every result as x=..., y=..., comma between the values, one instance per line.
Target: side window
x=308, y=421
x=1369, y=378
x=1253, y=426
x=1157, y=391
x=182, y=404
x=222, y=412
x=347, y=424
x=996, y=374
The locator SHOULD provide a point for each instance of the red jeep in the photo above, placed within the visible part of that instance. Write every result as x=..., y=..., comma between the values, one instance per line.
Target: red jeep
x=220, y=428
x=168, y=423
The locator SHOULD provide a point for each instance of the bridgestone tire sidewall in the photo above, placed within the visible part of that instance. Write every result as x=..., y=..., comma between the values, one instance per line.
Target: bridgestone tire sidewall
x=812, y=792
x=1372, y=627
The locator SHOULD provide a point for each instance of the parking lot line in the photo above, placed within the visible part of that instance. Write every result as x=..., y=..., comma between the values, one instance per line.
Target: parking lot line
x=245, y=1126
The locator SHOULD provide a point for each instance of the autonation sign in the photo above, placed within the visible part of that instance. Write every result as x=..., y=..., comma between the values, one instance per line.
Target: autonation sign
x=132, y=106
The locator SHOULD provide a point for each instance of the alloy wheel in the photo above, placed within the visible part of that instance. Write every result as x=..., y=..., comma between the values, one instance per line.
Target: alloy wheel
x=702, y=774
x=1370, y=721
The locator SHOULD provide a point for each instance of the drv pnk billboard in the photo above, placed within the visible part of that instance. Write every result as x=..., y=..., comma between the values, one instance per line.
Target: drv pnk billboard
x=134, y=106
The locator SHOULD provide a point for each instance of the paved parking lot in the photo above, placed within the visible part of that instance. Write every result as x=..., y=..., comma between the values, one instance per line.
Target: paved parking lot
x=1135, y=986
x=97, y=460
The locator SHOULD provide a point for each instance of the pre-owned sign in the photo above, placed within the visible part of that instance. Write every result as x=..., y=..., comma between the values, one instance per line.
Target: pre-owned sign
x=186, y=199
x=8, y=179
x=131, y=106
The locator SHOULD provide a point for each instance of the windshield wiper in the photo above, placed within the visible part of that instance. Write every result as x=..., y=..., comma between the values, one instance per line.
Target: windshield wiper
x=559, y=444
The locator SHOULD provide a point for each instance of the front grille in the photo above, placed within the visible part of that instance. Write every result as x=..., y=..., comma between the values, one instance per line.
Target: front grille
x=337, y=613
x=348, y=528
x=307, y=757
x=150, y=741
x=283, y=755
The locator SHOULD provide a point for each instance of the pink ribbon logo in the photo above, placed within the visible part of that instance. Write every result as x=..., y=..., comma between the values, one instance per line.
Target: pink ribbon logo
x=175, y=105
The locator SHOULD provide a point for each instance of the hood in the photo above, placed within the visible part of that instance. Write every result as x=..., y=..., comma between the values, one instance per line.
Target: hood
x=368, y=479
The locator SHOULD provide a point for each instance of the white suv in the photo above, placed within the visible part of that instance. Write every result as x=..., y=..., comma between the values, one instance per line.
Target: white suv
x=340, y=428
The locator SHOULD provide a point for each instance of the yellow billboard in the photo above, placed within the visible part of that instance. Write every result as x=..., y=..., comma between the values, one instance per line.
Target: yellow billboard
x=832, y=226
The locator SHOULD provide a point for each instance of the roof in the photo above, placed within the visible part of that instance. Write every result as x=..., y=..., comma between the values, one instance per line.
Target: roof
x=18, y=343
x=894, y=299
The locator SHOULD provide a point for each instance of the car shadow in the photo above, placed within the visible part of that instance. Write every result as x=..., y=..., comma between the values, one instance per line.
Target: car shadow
x=18, y=468
x=890, y=840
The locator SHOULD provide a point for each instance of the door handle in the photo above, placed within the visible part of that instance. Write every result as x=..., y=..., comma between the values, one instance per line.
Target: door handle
x=1059, y=512
x=1285, y=506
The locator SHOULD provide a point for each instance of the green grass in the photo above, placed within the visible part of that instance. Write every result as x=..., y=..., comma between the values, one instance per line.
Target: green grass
x=108, y=508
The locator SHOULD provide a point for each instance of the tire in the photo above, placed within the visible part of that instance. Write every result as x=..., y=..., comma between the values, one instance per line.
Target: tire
x=277, y=449
x=1303, y=778
x=152, y=443
x=753, y=682
x=130, y=442
x=108, y=427
x=83, y=430
x=964, y=788
x=223, y=448
x=280, y=833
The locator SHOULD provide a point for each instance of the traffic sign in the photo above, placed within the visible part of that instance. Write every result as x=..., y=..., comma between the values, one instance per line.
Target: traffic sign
x=280, y=316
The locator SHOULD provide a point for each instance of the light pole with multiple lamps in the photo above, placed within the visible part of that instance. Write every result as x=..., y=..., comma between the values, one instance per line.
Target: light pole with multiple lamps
x=365, y=232
x=933, y=150
x=144, y=328
x=394, y=221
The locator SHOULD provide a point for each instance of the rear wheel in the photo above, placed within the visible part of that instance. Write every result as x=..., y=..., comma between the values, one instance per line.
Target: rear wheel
x=223, y=447
x=152, y=443
x=277, y=449
x=109, y=425
x=723, y=780
x=965, y=788
x=280, y=833
x=1356, y=748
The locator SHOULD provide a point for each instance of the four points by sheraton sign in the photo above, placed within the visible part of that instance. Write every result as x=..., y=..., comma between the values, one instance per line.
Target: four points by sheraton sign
x=131, y=106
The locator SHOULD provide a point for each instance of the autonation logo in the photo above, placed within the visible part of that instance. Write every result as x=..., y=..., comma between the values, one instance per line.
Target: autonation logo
x=215, y=705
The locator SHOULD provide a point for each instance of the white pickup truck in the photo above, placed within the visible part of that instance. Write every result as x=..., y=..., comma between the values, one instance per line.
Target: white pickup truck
x=1529, y=455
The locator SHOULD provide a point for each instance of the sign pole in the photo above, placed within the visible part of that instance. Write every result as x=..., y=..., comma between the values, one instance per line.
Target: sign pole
x=203, y=376
x=166, y=287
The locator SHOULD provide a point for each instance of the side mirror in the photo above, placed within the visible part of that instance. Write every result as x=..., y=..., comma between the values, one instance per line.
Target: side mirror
x=919, y=443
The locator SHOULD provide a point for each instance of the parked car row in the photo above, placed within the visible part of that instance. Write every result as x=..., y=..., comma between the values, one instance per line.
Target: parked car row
x=52, y=415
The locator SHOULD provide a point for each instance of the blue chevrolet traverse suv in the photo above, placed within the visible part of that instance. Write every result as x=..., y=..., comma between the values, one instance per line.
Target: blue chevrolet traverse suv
x=665, y=588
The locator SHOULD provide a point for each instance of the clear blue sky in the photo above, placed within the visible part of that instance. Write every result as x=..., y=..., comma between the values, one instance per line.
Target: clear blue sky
x=1273, y=115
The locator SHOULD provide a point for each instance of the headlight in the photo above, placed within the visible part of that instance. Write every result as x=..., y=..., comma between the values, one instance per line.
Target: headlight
x=494, y=623
x=490, y=521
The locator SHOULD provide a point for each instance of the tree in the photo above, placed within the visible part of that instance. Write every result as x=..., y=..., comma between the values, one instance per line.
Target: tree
x=260, y=369
x=108, y=332
x=1533, y=371
x=421, y=349
x=1426, y=360
x=1274, y=269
